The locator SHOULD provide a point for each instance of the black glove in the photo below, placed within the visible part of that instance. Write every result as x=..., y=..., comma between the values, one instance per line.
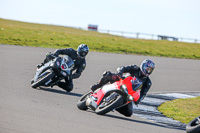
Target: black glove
x=137, y=102
x=48, y=53
x=49, y=56
x=120, y=75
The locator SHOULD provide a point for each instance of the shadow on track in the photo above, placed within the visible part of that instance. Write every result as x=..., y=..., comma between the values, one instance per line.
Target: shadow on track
x=165, y=125
x=60, y=91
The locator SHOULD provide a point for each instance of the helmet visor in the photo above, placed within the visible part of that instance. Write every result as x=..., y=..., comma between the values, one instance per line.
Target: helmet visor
x=148, y=70
x=82, y=54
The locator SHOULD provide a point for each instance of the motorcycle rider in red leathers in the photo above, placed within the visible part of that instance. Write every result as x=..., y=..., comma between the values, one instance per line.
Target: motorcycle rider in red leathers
x=142, y=72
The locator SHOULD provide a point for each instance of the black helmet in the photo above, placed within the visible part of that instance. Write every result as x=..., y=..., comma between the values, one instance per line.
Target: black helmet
x=147, y=67
x=82, y=50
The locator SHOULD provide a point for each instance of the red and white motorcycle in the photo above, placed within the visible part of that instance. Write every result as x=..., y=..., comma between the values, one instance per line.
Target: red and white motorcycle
x=111, y=96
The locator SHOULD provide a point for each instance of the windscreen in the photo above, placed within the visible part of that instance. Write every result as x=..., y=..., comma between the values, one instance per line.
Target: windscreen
x=68, y=61
x=136, y=84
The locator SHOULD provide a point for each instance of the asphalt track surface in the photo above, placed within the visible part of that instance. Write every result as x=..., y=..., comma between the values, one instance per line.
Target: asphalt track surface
x=27, y=110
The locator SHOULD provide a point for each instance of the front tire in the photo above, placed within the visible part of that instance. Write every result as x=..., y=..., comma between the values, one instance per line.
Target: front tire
x=81, y=104
x=103, y=109
x=41, y=81
x=193, y=126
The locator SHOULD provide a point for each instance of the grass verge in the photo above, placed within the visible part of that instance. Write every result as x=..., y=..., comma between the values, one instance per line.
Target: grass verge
x=183, y=110
x=40, y=35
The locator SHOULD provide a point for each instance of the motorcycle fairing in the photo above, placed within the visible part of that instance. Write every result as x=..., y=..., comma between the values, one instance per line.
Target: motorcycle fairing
x=66, y=65
x=132, y=84
x=101, y=93
x=38, y=71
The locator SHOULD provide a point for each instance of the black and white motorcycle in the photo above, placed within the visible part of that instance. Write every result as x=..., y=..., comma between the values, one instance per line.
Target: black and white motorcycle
x=53, y=71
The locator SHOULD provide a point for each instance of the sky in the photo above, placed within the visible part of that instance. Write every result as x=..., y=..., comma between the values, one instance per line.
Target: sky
x=178, y=18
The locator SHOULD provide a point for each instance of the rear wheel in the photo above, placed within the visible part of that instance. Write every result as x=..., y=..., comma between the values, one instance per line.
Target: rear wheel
x=109, y=103
x=81, y=104
x=194, y=126
x=46, y=76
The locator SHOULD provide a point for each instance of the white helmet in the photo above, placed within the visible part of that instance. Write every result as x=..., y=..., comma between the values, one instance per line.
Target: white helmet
x=82, y=50
x=147, y=67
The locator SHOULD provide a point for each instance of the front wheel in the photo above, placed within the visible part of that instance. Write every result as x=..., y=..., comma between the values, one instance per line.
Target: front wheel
x=109, y=103
x=81, y=104
x=43, y=79
x=194, y=126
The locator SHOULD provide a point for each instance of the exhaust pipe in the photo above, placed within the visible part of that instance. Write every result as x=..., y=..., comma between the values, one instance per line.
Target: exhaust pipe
x=91, y=103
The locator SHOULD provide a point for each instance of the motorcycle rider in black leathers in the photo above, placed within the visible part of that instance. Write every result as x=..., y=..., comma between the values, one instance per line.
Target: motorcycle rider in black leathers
x=142, y=72
x=78, y=56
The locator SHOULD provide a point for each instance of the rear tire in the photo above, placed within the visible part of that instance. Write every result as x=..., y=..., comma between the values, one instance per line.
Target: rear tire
x=43, y=80
x=117, y=102
x=193, y=127
x=81, y=104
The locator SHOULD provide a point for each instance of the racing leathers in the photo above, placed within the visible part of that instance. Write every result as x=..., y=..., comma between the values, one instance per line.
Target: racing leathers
x=79, y=66
x=133, y=70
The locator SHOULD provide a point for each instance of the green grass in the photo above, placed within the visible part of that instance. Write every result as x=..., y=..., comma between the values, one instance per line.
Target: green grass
x=183, y=110
x=38, y=35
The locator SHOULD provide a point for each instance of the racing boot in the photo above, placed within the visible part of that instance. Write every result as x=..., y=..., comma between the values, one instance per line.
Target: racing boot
x=103, y=80
x=40, y=65
x=95, y=87
x=66, y=86
x=47, y=59
x=32, y=81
